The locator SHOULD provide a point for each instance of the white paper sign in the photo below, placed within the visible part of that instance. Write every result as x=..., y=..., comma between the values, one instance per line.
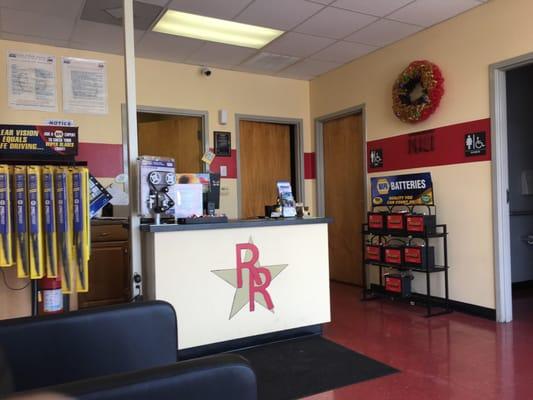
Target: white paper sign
x=31, y=81
x=59, y=122
x=84, y=86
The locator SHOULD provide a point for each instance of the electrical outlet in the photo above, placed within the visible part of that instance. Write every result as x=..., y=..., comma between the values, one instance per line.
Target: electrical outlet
x=223, y=171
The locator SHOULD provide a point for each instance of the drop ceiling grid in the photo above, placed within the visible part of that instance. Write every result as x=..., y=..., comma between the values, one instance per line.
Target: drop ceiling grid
x=323, y=53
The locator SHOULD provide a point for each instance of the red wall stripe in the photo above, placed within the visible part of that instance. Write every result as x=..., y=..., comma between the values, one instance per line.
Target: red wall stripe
x=229, y=162
x=104, y=160
x=448, y=148
x=309, y=165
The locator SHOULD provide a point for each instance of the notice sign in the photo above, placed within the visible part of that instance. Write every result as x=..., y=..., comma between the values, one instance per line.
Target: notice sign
x=475, y=144
x=84, y=86
x=38, y=140
x=402, y=190
x=31, y=81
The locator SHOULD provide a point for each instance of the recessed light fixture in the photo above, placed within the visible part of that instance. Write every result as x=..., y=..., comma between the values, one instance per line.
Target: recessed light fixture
x=215, y=30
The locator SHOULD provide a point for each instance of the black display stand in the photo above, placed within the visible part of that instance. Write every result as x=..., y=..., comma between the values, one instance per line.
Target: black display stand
x=67, y=161
x=378, y=291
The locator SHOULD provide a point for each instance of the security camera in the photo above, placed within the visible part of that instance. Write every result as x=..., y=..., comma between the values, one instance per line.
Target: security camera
x=206, y=71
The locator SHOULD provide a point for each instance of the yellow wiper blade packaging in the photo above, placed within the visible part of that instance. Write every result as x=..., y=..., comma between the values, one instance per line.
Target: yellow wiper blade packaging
x=64, y=227
x=50, y=238
x=35, y=222
x=21, y=222
x=80, y=226
x=6, y=248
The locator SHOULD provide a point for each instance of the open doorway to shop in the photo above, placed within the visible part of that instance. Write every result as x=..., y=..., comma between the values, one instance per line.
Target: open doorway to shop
x=269, y=150
x=342, y=190
x=519, y=82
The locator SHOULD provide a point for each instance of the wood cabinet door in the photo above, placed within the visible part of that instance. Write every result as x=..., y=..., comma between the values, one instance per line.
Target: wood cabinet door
x=265, y=158
x=344, y=196
x=109, y=275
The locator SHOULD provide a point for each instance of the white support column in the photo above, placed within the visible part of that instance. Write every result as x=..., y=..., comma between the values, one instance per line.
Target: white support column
x=131, y=111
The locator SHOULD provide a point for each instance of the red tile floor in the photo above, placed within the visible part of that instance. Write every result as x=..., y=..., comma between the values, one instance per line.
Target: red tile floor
x=454, y=356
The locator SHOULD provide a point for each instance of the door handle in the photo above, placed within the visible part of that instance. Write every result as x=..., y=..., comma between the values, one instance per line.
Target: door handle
x=528, y=239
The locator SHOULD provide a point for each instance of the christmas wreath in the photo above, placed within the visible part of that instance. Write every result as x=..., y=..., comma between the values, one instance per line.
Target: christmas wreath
x=417, y=91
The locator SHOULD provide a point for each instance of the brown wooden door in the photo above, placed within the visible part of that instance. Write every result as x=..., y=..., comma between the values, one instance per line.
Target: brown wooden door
x=265, y=158
x=178, y=137
x=344, y=196
x=109, y=276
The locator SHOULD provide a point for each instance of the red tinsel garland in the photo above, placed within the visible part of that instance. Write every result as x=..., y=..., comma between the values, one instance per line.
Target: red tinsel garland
x=429, y=77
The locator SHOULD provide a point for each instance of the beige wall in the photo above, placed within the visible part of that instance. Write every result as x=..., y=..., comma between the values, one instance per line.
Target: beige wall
x=161, y=84
x=463, y=47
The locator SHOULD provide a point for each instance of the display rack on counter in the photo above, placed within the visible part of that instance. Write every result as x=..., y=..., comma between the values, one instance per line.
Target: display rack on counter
x=401, y=242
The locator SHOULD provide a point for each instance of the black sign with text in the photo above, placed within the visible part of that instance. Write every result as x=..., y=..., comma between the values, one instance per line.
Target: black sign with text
x=475, y=144
x=38, y=140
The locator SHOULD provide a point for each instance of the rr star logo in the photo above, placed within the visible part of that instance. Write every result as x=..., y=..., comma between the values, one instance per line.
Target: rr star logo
x=250, y=279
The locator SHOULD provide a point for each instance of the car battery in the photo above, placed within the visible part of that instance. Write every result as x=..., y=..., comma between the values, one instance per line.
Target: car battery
x=393, y=255
x=421, y=224
x=395, y=223
x=398, y=284
x=419, y=256
x=376, y=222
x=373, y=252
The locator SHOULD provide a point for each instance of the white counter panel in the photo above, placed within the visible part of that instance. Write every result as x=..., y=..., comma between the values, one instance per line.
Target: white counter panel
x=180, y=269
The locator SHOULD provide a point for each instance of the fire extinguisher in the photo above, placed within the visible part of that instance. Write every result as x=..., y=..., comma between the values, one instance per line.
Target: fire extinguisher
x=51, y=297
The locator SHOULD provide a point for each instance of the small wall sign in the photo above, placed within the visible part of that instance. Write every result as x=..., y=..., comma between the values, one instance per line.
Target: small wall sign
x=222, y=144
x=475, y=144
x=376, y=158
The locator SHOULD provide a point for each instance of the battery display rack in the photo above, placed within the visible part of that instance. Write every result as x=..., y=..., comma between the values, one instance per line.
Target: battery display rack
x=401, y=242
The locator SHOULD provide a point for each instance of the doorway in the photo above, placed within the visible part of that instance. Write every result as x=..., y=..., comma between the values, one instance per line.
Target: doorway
x=519, y=82
x=342, y=191
x=269, y=150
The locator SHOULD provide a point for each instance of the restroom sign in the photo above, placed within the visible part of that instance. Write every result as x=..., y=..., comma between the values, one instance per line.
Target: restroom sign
x=475, y=144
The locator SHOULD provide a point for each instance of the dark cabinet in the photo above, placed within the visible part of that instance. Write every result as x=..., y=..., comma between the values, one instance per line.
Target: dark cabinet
x=109, y=266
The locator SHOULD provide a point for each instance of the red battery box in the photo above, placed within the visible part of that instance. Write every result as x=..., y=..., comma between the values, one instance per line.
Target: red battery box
x=421, y=224
x=396, y=223
x=393, y=255
x=373, y=252
x=376, y=222
x=419, y=256
x=398, y=284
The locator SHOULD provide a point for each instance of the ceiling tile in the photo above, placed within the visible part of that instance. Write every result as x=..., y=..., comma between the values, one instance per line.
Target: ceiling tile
x=226, y=9
x=166, y=47
x=160, y=3
x=334, y=23
x=383, y=32
x=58, y=8
x=379, y=8
x=99, y=37
x=298, y=44
x=278, y=14
x=112, y=11
x=269, y=62
x=33, y=39
x=32, y=24
x=430, y=12
x=220, y=55
x=307, y=69
x=325, y=2
x=342, y=52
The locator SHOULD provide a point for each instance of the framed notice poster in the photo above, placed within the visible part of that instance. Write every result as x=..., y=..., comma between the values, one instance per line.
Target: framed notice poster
x=223, y=144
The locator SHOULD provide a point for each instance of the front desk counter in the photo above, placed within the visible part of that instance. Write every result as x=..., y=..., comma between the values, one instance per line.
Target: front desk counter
x=240, y=282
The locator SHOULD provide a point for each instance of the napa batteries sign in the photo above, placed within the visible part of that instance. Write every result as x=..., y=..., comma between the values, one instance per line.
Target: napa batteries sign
x=396, y=190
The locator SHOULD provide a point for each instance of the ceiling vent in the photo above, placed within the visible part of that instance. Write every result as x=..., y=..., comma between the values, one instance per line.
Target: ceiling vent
x=111, y=11
x=268, y=62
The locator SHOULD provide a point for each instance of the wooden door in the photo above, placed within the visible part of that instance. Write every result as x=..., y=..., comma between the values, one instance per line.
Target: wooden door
x=265, y=158
x=344, y=196
x=178, y=137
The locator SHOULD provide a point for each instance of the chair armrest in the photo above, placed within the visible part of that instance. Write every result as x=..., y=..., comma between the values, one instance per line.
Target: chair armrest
x=222, y=376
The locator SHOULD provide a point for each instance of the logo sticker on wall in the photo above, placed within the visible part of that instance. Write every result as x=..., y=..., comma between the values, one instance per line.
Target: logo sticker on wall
x=475, y=144
x=250, y=279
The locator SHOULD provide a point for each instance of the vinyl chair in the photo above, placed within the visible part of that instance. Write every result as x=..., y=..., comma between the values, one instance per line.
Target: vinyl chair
x=118, y=352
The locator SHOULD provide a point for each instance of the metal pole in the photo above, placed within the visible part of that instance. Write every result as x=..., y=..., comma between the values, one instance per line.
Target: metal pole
x=131, y=111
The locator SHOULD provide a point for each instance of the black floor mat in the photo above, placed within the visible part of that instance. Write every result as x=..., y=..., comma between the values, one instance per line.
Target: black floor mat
x=302, y=367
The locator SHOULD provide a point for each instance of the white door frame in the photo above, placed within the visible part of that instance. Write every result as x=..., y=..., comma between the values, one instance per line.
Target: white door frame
x=500, y=185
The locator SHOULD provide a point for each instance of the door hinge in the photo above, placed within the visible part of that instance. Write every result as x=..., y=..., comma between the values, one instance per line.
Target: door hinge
x=507, y=194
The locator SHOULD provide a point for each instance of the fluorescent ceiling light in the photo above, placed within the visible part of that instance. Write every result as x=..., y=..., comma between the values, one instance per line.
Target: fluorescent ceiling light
x=215, y=30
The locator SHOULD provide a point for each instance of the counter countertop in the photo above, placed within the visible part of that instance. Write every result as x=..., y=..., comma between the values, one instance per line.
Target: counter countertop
x=237, y=223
